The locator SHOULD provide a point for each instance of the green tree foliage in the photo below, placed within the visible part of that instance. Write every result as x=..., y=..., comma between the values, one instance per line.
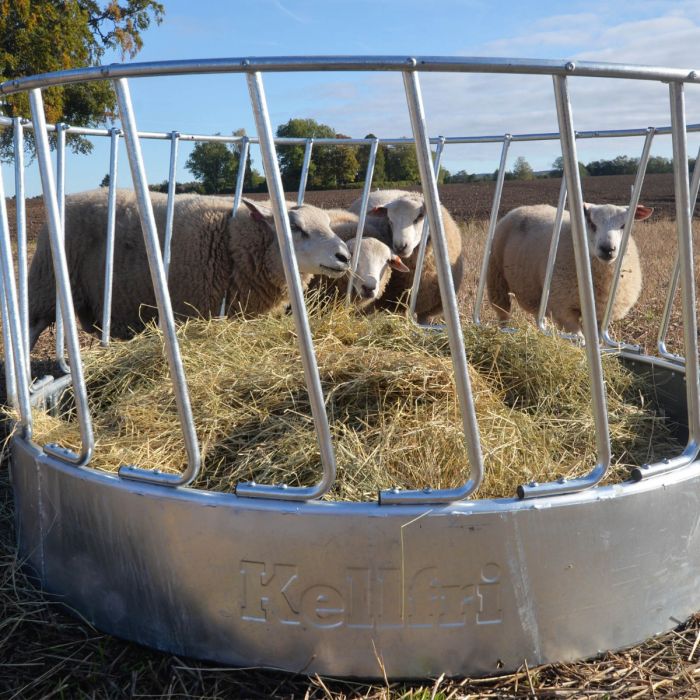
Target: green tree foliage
x=38, y=36
x=558, y=168
x=620, y=165
x=215, y=165
x=522, y=169
x=379, y=163
x=459, y=176
x=659, y=164
x=291, y=158
x=334, y=166
x=401, y=164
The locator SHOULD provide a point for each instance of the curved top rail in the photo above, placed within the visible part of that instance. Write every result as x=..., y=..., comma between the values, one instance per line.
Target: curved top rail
x=290, y=64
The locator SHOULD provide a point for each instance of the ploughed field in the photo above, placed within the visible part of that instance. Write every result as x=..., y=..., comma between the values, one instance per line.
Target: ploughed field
x=473, y=200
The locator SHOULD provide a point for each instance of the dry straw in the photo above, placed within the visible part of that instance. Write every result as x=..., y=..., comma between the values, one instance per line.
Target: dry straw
x=390, y=397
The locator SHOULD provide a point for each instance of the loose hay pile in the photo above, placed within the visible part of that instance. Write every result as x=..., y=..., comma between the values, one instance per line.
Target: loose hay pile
x=391, y=402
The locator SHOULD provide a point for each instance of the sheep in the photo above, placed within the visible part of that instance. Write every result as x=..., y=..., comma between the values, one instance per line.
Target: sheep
x=213, y=255
x=389, y=211
x=405, y=212
x=519, y=254
x=375, y=261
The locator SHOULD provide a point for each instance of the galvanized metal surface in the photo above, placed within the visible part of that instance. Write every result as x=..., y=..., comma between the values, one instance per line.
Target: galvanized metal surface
x=421, y=583
x=163, y=301
x=471, y=588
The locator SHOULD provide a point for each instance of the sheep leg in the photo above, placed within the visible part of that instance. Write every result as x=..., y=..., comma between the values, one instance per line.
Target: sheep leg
x=498, y=292
x=569, y=320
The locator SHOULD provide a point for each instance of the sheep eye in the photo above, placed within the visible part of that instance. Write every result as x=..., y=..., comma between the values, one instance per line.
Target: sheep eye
x=299, y=230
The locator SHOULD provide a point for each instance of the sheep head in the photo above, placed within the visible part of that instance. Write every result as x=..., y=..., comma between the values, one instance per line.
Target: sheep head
x=605, y=224
x=405, y=216
x=374, y=264
x=317, y=249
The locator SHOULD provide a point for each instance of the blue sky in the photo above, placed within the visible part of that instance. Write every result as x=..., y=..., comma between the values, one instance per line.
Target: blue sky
x=657, y=32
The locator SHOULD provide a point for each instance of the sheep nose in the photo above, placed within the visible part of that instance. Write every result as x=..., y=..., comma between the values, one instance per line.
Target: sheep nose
x=401, y=250
x=343, y=258
x=367, y=291
x=607, y=251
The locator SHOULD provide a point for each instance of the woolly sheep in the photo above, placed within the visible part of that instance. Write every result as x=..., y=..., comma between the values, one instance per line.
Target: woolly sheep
x=519, y=259
x=375, y=263
x=388, y=208
x=405, y=213
x=213, y=255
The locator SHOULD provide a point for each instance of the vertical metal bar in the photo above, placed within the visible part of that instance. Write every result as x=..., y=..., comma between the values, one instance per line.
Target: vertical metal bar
x=296, y=297
x=109, y=252
x=687, y=278
x=425, y=235
x=627, y=232
x=675, y=276
x=8, y=346
x=240, y=178
x=20, y=205
x=65, y=296
x=165, y=311
x=552, y=257
x=15, y=367
x=451, y=313
x=61, y=198
x=478, y=302
x=585, y=288
x=170, y=204
x=369, y=174
x=305, y=171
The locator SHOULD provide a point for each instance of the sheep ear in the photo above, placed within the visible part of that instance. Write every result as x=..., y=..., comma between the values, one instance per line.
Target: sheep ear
x=379, y=211
x=395, y=263
x=642, y=213
x=258, y=212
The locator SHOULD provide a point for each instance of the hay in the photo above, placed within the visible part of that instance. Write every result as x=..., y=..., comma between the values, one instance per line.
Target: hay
x=391, y=402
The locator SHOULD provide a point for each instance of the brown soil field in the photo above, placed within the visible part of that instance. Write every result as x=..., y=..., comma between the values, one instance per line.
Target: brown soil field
x=45, y=652
x=472, y=201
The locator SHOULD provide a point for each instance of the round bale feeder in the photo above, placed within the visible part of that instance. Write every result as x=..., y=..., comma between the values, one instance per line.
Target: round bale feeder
x=418, y=582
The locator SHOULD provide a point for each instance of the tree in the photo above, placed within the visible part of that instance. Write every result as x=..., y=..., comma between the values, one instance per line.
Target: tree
x=620, y=165
x=291, y=158
x=215, y=165
x=335, y=166
x=379, y=162
x=459, y=176
x=105, y=181
x=401, y=164
x=558, y=168
x=522, y=169
x=38, y=36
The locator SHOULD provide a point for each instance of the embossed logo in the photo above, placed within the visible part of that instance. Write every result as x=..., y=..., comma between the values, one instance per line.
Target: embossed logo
x=368, y=597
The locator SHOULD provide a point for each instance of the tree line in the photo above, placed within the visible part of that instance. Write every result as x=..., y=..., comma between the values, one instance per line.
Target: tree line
x=215, y=165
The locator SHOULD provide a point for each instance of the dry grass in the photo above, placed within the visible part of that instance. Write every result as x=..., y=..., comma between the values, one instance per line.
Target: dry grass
x=391, y=401
x=45, y=653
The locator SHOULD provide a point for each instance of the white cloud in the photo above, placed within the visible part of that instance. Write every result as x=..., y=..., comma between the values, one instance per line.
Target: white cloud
x=478, y=104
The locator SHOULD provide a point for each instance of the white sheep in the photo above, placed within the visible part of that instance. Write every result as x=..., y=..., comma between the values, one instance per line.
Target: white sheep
x=375, y=262
x=400, y=215
x=405, y=212
x=213, y=255
x=519, y=259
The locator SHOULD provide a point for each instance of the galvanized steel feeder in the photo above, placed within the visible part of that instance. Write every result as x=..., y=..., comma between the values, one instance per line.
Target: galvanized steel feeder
x=419, y=583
